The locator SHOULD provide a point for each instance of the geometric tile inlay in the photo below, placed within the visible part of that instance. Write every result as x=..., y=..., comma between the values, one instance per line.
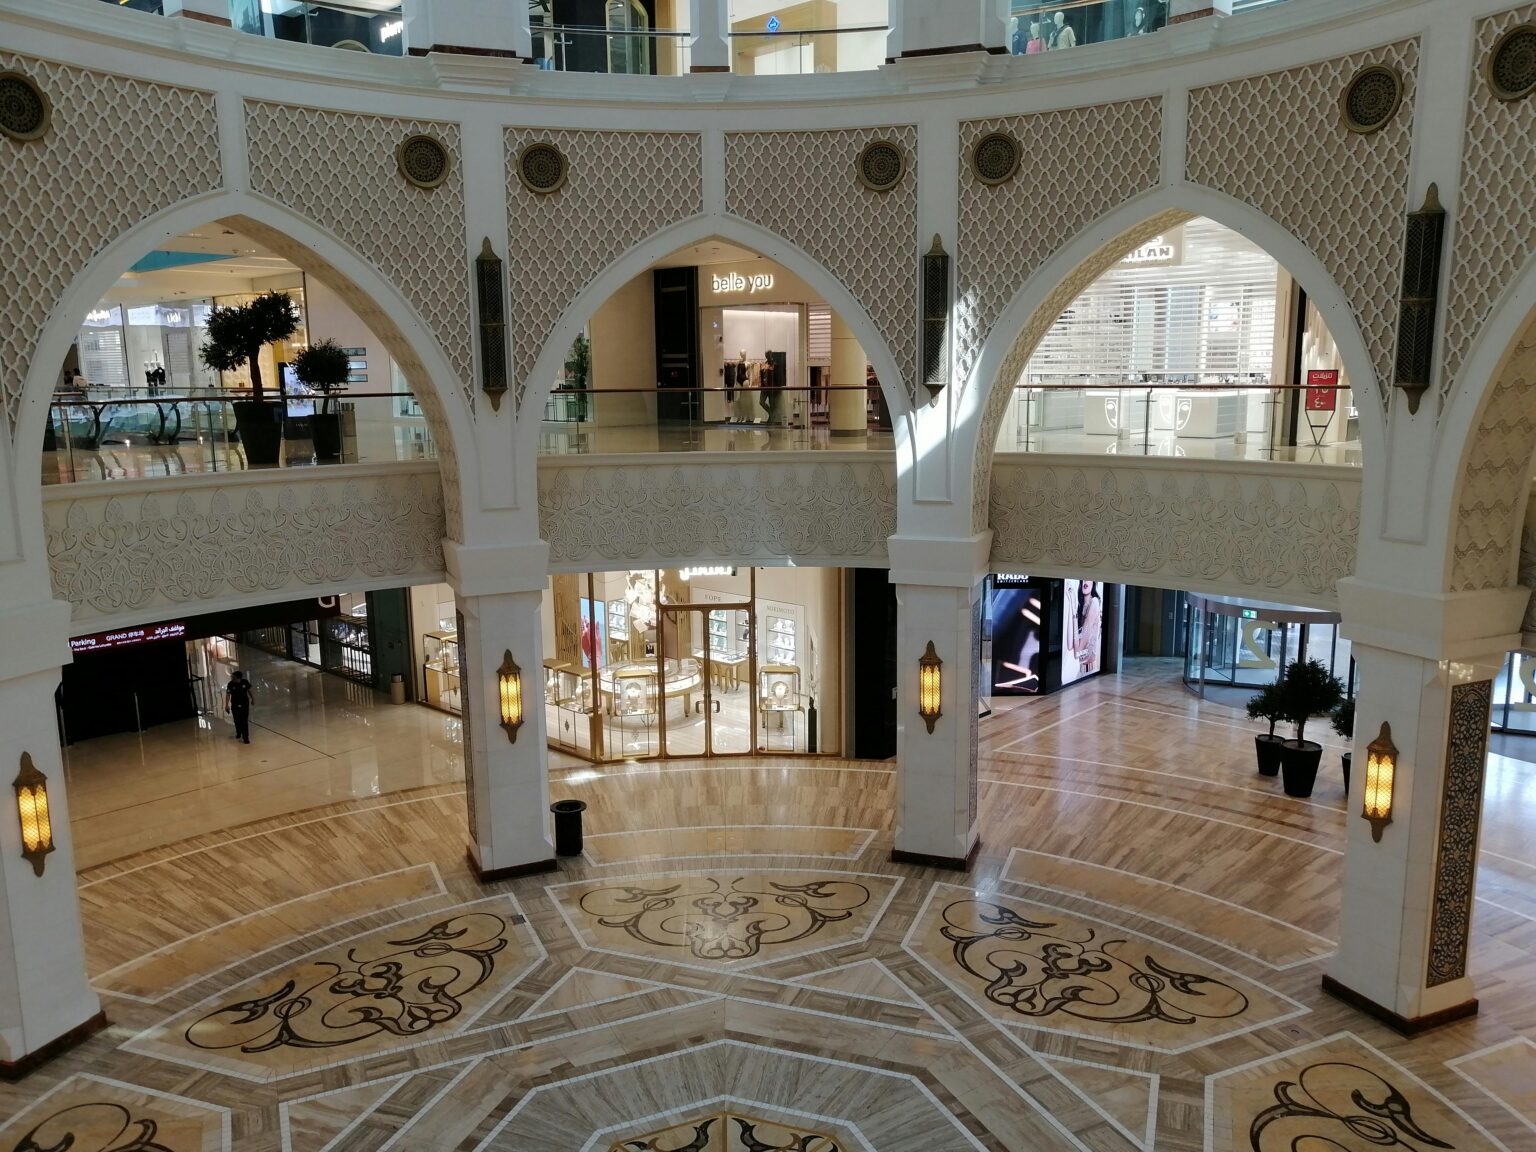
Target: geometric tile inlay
x=1336, y=1095
x=1033, y=966
x=1507, y=1072
x=427, y=977
x=91, y=1114
x=738, y=919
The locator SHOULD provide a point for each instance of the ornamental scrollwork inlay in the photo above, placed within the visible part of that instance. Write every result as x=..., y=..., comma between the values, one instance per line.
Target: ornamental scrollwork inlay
x=729, y=1132
x=1039, y=970
x=644, y=513
x=110, y=554
x=714, y=920
x=416, y=985
x=1461, y=810
x=1280, y=535
x=1342, y=1106
x=96, y=1126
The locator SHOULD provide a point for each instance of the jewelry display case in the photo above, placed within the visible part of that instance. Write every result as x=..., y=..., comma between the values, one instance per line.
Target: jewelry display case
x=440, y=674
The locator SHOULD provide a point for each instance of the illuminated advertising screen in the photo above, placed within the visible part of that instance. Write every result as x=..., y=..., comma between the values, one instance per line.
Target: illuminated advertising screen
x=1082, y=629
x=1018, y=637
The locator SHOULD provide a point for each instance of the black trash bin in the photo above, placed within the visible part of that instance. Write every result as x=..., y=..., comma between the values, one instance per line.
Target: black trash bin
x=568, y=826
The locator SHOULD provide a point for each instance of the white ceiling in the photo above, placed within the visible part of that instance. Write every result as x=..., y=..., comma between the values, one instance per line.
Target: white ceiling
x=248, y=260
x=708, y=252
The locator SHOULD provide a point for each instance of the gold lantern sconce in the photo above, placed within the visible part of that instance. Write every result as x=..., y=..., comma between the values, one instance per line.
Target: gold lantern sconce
x=1380, y=776
x=32, y=810
x=930, y=687
x=509, y=678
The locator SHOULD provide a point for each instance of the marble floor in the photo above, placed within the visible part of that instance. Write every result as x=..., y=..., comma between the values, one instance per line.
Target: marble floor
x=734, y=963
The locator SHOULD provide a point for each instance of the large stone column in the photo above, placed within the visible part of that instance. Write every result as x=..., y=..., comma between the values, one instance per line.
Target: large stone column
x=500, y=593
x=46, y=1001
x=1181, y=10
x=941, y=27
x=710, y=47
x=1426, y=668
x=846, y=410
x=938, y=586
x=208, y=11
x=467, y=27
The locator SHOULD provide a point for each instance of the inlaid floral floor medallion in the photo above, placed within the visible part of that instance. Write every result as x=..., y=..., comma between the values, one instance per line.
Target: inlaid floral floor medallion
x=1336, y=1095
x=91, y=1114
x=733, y=919
x=730, y=1130
x=1032, y=965
x=427, y=977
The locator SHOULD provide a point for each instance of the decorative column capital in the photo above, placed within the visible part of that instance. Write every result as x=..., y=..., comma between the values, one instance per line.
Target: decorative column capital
x=1448, y=626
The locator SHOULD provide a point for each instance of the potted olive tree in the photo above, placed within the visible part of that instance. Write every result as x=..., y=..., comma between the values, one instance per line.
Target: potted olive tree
x=235, y=337
x=323, y=367
x=1307, y=689
x=1344, y=725
x=1266, y=704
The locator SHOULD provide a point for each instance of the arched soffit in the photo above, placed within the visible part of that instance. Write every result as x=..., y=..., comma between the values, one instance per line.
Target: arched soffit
x=1067, y=274
x=664, y=243
x=1485, y=449
x=376, y=301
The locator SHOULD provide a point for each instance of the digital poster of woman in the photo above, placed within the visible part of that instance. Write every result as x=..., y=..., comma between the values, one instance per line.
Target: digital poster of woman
x=1082, y=629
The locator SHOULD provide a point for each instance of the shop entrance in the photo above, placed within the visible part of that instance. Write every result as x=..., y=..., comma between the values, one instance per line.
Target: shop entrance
x=694, y=662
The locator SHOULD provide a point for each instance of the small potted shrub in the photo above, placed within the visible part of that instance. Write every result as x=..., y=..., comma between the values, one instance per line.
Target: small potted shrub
x=1266, y=704
x=1344, y=725
x=1307, y=689
x=323, y=367
x=236, y=336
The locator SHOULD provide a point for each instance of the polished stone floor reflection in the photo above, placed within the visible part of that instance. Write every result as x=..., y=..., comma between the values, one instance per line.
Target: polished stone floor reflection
x=1132, y=966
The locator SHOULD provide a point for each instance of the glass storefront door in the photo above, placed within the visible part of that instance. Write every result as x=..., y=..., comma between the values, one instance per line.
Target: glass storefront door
x=708, y=710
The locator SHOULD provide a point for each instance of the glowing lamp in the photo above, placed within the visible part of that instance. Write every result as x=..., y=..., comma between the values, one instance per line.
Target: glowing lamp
x=1380, y=771
x=510, y=679
x=32, y=809
x=930, y=686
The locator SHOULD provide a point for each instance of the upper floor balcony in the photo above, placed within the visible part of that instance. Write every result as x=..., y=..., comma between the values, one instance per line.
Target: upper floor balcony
x=679, y=37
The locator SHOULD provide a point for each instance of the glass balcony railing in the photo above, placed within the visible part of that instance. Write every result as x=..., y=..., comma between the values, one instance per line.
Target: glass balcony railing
x=583, y=48
x=804, y=51
x=98, y=436
x=1238, y=417
x=583, y=421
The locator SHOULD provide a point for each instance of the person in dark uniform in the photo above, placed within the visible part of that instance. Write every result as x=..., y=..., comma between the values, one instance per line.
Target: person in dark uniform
x=237, y=695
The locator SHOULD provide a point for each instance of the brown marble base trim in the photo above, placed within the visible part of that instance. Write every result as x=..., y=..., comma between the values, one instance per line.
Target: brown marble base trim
x=950, y=50
x=950, y=863
x=13, y=1070
x=850, y=431
x=1197, y=15
x=1403, y=1025
x=703, y=68
x=464, y=50
x=495, y=875
x=218, y=21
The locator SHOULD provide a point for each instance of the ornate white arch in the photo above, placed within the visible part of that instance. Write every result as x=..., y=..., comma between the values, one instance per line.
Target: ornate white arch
x=694, y=230
x=1088, y=255
x=408, y=337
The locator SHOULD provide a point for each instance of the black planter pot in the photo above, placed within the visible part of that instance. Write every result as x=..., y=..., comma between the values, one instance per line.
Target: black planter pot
x=325, y=434
x=1346, y=758
x=1268, y=749
x=260, y=425
x=1298, y=766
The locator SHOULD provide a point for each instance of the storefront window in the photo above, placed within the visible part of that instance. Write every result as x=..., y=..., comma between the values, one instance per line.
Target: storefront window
x=1040, y=26
x=694, y=662
x=774, y=39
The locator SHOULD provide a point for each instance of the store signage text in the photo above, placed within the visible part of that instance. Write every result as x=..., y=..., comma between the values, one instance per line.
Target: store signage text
x=1160, y=251
x=1322, y=389
x=690, y=573
x=736, y=282
x=101, y=316
x=392, y=29
x=127, y=637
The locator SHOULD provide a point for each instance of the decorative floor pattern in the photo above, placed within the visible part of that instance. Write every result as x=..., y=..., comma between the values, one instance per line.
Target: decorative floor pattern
x=1338, y=1093
x=1132, y=966
x=738, y=919
x=1031, y=965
